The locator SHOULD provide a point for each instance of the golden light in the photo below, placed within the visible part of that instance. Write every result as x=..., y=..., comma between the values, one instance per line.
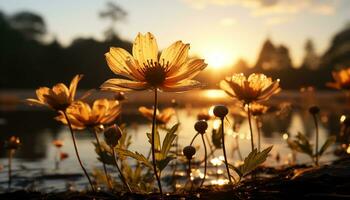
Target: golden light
x=218, y=59
x=215, y=94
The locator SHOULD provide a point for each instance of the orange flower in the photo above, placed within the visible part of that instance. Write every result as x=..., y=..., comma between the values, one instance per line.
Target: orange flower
x=58, y=143
x=256, y=88
x=342, y=79
x=172, y=71
x=82, y=115
x=63, y=156
x=162, y=117
x=204, y=115
x=258, y=109
x=13, y=143
x=57, y=98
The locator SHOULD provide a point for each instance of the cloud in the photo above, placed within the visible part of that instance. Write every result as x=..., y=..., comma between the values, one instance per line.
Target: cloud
x=273, y=7
x=228, y=21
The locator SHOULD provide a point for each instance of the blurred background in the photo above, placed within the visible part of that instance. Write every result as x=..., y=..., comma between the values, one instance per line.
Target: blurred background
x=45, y=42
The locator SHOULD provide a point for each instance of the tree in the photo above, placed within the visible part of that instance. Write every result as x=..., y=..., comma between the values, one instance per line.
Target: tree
x=311, y=59
x=115, y=14
x=31, y=25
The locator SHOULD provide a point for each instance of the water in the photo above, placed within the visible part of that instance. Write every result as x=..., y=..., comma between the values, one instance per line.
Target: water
x=37, y=129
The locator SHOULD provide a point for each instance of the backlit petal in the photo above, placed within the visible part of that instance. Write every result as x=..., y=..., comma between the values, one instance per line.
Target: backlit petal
x=145, y=48
x=175, y=55
x=73, y=86
x=123, y=85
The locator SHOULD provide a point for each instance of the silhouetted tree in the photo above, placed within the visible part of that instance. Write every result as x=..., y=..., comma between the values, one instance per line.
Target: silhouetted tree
x=114, y=13
x=31, y=25
x=311, y=59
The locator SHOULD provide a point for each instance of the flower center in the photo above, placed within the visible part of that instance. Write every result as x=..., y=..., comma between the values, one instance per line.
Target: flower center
x=155, y=73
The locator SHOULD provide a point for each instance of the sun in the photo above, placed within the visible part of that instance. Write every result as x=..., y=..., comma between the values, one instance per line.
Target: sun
x=218, y=59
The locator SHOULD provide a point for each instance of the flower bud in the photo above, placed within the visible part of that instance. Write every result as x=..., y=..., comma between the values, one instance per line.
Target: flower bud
x=112, y=135
x=220, y=111
x=314, y=110
x=189, y=151
x=201, y=126
x=13, y=143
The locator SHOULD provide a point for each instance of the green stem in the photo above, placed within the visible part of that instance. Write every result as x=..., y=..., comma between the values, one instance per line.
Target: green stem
x=77, y=152
x=120, y=172
x=238, y=148
x=316, y=146
x=259, y=136
x=205, y=161
x=250, y=127
x=224, y=150
x=103, y=161
x=153, y=145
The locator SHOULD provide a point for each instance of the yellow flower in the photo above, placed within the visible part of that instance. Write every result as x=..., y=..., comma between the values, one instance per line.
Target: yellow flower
x=58, y=143
x=171, y=72
x=162, y=117
x=57, y=98
x=342, y=79
x=258, y=109
x=256, y=88
x=82, y=115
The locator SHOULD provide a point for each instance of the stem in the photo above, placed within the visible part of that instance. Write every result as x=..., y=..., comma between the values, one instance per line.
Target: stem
x=194, y=138
x=120, y=172
x=103, y=160
x=205, y=161
x=250, y=127
x=153, y=149
x=77, y=152
x=238, y=148
x=316, y=146
x=258, y=128
x=189, y=174
x=11, y=152
x=224, y=149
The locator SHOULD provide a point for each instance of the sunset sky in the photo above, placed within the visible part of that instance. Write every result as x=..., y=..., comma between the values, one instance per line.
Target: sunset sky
x=219, y=30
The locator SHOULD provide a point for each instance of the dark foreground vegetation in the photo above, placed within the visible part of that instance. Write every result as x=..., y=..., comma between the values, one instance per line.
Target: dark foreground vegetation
x=293, y=182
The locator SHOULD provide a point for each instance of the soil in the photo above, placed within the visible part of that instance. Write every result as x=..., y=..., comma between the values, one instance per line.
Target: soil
x=295, y=182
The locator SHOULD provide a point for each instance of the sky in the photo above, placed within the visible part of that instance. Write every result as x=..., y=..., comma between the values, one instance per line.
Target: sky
x=221, y=31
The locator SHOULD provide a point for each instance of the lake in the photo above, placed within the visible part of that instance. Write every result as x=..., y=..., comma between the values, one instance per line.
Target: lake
x=37, y=129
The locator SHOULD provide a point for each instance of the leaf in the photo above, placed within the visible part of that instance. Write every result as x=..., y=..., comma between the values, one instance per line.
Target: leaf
x=327, y=143
x=253, y=160
x=235, y=169
x=303, y=144
x=157, y=146
x=168, y=140
x=161, y=164
x=137, y=156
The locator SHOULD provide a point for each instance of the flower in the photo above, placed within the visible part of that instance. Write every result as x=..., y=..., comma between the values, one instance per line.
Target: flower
x=13, y=143
x=63, y=156
x=162, y=117
x=58, y=143
x=171, y=72
x=256, y=88
x=258, y=109
x=342, y=79
x=57, y=98
x=203, y=115
x=82, y=115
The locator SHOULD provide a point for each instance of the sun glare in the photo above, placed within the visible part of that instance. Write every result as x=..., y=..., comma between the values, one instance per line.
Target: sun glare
x=217, y=59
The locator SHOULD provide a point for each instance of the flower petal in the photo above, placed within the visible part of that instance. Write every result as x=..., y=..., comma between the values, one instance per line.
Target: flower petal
x=182, y=86
x=189, y=70
x=123, y=85
x=73, y=86
x=145, y=48
x=175, y=55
